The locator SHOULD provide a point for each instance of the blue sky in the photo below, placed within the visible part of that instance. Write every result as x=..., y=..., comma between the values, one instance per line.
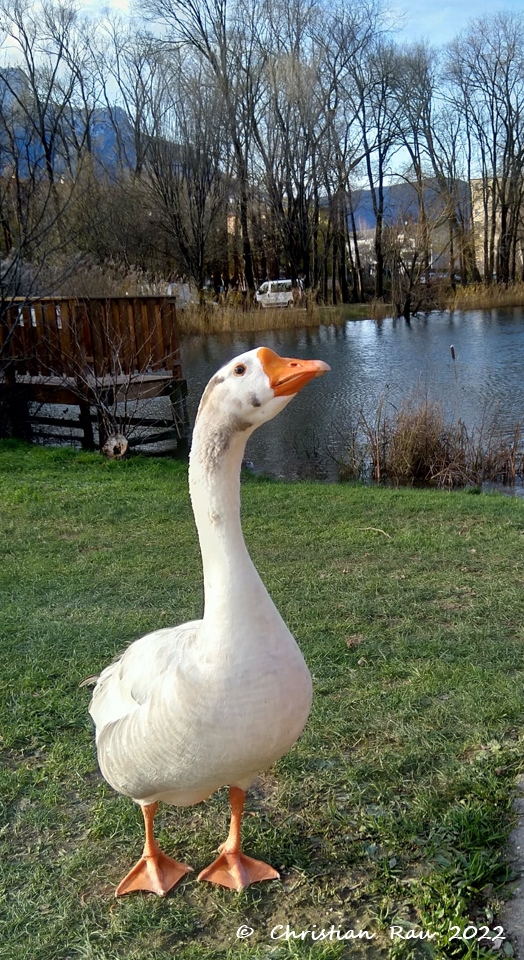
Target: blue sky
x=437, y=21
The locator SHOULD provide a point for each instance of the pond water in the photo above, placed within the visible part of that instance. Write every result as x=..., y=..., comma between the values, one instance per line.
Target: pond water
x=372, y=362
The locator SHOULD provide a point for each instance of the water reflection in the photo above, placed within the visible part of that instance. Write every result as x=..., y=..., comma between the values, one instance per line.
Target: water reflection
x=373, y=360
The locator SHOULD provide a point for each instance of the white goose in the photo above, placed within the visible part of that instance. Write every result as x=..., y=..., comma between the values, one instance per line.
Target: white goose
x=187, y=710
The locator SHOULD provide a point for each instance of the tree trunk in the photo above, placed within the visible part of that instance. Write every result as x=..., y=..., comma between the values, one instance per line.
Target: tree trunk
x=379, y=257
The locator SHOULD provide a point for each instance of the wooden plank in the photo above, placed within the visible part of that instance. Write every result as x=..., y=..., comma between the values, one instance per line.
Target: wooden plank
x=121, y=343
x=50, y=393
x=133, y=350
x=131, y=336
x=38, y=337
x=171, y=336
x=128, y=335
x=173, y=329
x=51, y=335
x=101, y=347
x=22, y=343
x=75, y=339
x=54, y=390
x=108, y=362
x=83, y=335
x=144, y=390
x=144, y=421
x=150, y=344
x=144, y=351
x=30, y=341
x=163, y=333
x=81, y=351
x=67, y=337
x=56, y=421
x=153, y=438
x=30, y=353
x=8, y=332
x=165, y=323
x=157, y=334
x=140, y=354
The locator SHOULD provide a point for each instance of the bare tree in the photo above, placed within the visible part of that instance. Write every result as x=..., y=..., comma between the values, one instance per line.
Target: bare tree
x=374, y=74
x=340, y=140
x=285, y=132
x=38, y=176
x=486, y=65
x=224, y=37
x=187, y=180
x=131, y=73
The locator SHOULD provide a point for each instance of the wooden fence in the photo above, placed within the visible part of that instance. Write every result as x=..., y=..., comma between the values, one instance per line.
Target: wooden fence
x=95, y=354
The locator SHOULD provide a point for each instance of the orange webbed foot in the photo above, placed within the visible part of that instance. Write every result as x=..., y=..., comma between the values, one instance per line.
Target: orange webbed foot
x=236, y=871
x=156, y=873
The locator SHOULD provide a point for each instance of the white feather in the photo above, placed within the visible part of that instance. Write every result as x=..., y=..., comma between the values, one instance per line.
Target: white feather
x=187, y=710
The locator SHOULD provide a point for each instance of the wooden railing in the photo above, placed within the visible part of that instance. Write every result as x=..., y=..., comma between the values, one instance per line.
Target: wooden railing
x=94, y=361
x=100, y=335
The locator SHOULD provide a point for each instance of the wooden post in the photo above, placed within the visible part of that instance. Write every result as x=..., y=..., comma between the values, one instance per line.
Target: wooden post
x=84, y=419
x=15, y=412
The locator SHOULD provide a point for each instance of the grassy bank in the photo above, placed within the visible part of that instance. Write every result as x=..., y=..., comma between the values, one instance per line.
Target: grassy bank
x=213, y=318
x=394, y=806
x=478, y=296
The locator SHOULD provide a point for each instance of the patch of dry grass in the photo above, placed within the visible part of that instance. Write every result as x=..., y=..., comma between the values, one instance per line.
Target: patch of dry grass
x=415, y=444
x=218, y=318
x=481, y=296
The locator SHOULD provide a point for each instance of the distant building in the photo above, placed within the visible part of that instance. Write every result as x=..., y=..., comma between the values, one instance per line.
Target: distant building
x=487, y=232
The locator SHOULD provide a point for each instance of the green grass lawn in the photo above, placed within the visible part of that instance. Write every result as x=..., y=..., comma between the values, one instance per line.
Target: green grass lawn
x=394, y=806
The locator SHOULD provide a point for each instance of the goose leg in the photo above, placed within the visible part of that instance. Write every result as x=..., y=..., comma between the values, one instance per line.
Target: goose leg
x=155, y=871
x=232, y=868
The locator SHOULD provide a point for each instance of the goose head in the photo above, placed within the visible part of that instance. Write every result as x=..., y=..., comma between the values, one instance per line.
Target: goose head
x=254, y=387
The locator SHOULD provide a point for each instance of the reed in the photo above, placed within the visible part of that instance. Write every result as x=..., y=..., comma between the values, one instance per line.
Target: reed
x=416, y=445
x=213, y=318
x=480, y=296
x=216, y=318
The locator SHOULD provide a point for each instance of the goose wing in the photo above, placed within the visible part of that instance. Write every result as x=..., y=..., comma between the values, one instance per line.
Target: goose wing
x=130, y=681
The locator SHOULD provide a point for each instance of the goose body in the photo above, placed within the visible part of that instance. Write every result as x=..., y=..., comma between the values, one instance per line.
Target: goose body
x=187, y=710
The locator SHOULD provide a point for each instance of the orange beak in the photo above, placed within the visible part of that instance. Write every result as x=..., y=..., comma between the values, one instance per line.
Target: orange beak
x=286, y=375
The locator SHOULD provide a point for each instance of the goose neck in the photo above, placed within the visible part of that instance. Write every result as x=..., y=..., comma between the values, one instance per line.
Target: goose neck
x=214, y=484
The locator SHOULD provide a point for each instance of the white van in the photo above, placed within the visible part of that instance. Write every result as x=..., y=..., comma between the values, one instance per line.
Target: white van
x=275, y=293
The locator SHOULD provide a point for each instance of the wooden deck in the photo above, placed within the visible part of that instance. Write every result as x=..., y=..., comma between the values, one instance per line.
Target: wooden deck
x=91, y=367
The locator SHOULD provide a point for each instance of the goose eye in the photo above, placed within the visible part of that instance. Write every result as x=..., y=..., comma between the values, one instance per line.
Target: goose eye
x=239, y=370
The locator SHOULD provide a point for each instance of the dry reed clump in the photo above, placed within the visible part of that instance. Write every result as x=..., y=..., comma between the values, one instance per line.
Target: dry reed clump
x=414, y=444
x=214, y=318
x=223, y=318
x=421, y=448
x=499, y=456
x=480, y=296
x=235, y=317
